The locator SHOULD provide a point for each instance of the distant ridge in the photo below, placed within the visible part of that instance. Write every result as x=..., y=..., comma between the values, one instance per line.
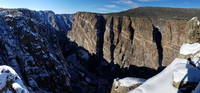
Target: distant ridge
x=160, y=12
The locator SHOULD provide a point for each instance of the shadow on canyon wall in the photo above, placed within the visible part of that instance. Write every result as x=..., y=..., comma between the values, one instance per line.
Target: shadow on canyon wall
x=157, y=38
x=103, y=72
x=100, y=72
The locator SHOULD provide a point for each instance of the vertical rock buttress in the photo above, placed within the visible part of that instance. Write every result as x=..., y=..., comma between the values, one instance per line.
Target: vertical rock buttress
x=129, y=41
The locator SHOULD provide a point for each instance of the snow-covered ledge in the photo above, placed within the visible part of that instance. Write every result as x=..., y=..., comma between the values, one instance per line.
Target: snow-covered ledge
x=190, y=49
x=10, y=82
x=180, y=75
x=126, y=84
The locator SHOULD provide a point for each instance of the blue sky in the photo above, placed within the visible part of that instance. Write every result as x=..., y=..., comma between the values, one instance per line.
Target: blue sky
x=102, y=6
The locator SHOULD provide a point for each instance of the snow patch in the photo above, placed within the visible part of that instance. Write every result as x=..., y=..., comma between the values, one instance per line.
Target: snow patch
x=18, y=87
x=154, y=85
x=189, y=73
x=194, y=18
x=128, y=81
x=162, y=82
x=198, y=23
x=187, y=49
x=7, y=74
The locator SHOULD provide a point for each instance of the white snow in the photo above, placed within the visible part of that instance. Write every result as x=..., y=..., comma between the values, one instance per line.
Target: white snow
x=7, y=74
x=128, y=81
x=17, y=87
x=179, y=75
x=198, y=23
x=162, y=82
x=187, y=49
x=178, y=71
x=189, y=73
x=194, y=18
x=158, y=27
x=9, y=15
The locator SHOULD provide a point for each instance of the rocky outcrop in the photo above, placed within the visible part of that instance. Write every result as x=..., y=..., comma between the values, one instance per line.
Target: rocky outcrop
x=193, y=30
x=10, y=81
x=35, y=45
x=144, y=42
x=32, y=43
x=89, y=32
x=181, y=76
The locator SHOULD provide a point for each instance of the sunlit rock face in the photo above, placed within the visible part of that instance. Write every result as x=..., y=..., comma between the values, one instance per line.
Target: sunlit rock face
x=149, y=42
x=35, y=45
x=193, y=30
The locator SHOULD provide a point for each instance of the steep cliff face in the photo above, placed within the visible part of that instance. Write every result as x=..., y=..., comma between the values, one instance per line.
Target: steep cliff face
x=89, y=32
x=35, y=45
x=147, y=42
x=32, y=44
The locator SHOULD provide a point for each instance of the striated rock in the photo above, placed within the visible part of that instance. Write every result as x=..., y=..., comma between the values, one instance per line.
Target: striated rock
x=127, y=41
x=193, y=30
x=35, y=45
x=89, y=32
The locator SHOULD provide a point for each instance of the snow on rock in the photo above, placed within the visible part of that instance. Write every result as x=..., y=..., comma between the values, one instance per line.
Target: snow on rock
x=10, y=81
x=187, y=49
x=180, y=75
x=196, y=20
x=189, y=73
x=153, y=85
x=27, y=38
x=126, y=84
x=128, y=81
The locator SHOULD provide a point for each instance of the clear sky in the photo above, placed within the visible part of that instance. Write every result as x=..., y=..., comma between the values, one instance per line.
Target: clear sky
x=101, y=6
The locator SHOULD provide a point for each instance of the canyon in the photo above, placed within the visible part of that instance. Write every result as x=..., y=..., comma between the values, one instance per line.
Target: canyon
x=123, y=40
x=84, y=52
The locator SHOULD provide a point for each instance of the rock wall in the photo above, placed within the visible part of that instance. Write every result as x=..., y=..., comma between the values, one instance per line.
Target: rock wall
x=32, y=44
x=147, y=42
x=35, y=45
